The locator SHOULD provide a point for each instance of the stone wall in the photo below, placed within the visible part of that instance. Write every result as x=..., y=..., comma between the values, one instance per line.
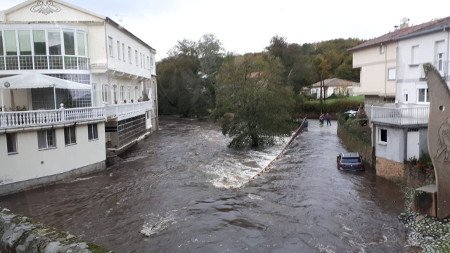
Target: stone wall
x=390, y=169
x=22, y=235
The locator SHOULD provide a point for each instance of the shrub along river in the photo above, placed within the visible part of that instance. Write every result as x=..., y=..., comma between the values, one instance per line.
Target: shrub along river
x=183, y=190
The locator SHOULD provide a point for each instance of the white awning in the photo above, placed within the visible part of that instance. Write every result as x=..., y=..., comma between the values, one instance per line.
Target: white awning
x=34, y=80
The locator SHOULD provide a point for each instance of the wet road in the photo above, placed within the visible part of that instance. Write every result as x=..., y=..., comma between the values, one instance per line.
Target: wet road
x=174, y=193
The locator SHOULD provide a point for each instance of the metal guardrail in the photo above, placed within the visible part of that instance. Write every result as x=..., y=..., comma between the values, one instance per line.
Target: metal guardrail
x=411, y=115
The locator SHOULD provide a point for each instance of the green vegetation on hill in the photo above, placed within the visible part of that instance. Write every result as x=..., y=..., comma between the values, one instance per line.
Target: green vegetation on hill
x=261, y=88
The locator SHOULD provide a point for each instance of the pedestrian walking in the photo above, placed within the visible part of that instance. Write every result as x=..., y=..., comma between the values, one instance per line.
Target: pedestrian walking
x=321, y=118
x=328, y=119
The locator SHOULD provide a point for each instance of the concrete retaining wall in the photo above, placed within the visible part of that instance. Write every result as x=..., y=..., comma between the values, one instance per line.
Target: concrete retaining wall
x=48, y=180
x=22, y=235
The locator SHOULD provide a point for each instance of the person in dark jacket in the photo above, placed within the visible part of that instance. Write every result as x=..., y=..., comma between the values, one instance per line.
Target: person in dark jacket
x=328, y=119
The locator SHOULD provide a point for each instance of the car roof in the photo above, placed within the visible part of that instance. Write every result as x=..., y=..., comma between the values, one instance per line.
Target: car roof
x=349, y=154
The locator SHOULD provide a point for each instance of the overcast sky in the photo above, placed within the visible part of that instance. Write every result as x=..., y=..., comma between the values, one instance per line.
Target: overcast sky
x=248, y=25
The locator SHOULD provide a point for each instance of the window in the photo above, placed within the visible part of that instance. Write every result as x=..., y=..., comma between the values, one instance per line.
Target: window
x=81, y=44
x=414, y=54
x=123, y=52
x=136, y=57
x=94, y=94
x=122, y=92
x=54, y=43
x=391, y=74
x=406, y=97
x=151, y=62
x=11, y=143
x=110, y=46
x=10, y=43
x=382, y=135
x=40, y=47
x=440, y=62
x=118, y=50
x=105, y=93
x=423, y=96
x=129, y=54
x=1, y=43
x=46, y=139
x=69, y=42
x=148, y=62
x=24, y=43
x=381, y=49
x=92, y=132
x=69, y=135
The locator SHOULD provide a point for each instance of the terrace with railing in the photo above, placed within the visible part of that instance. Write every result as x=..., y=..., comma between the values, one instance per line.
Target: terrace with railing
x=126, y=111
x=41, y=118
x=400, y=116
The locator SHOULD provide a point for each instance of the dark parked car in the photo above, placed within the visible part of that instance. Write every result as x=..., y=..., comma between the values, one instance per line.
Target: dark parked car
x=350, y=161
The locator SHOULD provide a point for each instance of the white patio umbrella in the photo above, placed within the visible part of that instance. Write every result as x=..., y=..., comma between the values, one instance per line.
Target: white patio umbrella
x=34, y=80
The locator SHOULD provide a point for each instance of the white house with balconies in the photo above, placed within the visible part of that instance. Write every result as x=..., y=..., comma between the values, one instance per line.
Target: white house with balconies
x=74, y=86
x=399, y=130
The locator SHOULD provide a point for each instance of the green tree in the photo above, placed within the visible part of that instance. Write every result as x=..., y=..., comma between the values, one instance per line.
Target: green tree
x=186, y=78
x=254, y=105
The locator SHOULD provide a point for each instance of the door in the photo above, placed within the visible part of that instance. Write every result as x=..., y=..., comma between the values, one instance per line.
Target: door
x=412, y=141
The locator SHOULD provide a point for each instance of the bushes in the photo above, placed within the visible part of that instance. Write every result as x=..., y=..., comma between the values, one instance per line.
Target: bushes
x=335, y=107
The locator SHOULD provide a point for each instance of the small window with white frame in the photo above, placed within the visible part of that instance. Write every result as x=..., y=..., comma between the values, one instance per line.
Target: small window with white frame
x=92, y=132
x=46, y=139
x=70, y=135
x=11, y=143
x=440, y=62
x=110, y=46
x=423, y=96
x=382, y=136
x=391, y=74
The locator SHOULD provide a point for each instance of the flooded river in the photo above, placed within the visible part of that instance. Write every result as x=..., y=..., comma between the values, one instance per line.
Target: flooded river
x=183, y=190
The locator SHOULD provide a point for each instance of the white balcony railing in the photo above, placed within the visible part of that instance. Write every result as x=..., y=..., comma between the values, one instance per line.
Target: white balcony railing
x=126, y=111
x=23, y=119
x=411, y=115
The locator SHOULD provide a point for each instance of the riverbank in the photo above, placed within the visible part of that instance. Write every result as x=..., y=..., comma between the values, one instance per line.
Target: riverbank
x=20, y=234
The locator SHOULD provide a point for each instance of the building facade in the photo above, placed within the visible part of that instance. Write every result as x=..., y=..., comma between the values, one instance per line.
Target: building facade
x=399, y=130
x=75, y=86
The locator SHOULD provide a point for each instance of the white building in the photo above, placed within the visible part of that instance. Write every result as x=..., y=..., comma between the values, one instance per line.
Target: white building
x=54, y=54
x=336, y=86
x=400, y=128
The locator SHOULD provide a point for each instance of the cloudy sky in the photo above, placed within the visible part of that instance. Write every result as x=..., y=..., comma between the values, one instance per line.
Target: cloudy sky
x=248, y=25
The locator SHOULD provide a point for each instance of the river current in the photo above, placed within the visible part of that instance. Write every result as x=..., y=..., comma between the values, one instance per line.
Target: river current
x=183, y=190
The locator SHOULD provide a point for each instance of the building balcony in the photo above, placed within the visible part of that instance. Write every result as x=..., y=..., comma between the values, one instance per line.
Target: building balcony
x=400, y=116
x=43, y=62
x=45, y=118
x=126, y=111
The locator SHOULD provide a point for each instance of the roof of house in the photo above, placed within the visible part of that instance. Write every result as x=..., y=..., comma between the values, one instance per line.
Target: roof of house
x=335, y=82
x=106, y=19
x=397, y=34
x=438, y=25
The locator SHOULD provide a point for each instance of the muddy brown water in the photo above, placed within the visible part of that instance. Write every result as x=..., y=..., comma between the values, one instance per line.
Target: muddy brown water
x=174, y=192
